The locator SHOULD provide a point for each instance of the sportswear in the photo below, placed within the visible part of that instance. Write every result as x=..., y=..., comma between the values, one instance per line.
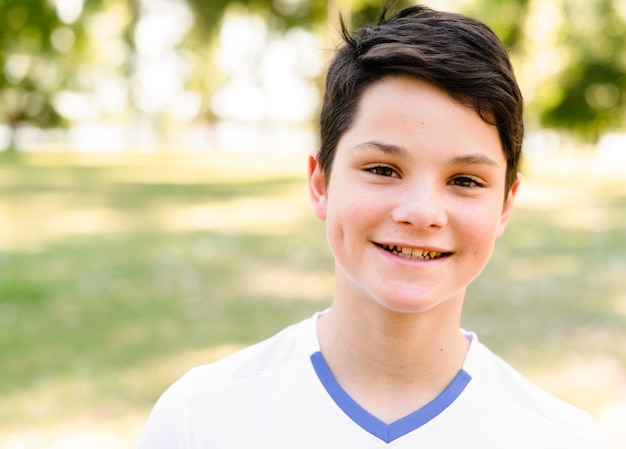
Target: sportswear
x=280, y=394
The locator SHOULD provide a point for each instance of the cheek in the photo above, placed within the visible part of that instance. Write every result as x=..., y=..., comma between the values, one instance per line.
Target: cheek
x=347, y=221
x=480, y=229
x=342, y=220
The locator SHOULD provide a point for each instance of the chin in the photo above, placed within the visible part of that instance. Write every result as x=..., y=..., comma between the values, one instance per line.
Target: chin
x=408, y=307
x=412, y=304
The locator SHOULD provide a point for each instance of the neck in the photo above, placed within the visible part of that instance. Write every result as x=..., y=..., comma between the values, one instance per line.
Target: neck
x=392, y=363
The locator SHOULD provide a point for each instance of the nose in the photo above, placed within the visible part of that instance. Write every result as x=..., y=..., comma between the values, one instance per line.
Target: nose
x=420, y=205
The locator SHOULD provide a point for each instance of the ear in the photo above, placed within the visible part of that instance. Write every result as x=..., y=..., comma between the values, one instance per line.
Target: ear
x=317, y=187
x=508, y=206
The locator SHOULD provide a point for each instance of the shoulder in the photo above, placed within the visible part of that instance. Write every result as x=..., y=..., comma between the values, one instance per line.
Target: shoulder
x=496, y=382
x=286, y=347
x=205, y=383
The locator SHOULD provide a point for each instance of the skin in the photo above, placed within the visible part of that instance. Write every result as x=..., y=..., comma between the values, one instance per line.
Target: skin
x=417, y=170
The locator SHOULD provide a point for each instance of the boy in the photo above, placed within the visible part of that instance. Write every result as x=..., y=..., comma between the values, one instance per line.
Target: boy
x=421, y=132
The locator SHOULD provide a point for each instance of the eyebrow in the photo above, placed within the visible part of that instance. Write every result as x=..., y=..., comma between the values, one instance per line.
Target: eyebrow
x=395, y=150
x=388, y=148
x=472, y=159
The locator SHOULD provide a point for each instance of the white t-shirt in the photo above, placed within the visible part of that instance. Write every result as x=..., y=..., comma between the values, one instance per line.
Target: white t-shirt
x=280, y=394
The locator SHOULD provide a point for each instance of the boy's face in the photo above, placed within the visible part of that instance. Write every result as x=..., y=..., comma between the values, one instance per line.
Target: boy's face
x=415, y=200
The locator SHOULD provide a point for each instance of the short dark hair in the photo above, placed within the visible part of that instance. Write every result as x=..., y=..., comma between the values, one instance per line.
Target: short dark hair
x=456, y=53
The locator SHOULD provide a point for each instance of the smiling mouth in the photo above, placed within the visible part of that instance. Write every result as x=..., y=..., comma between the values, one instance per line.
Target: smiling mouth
x=413, y=253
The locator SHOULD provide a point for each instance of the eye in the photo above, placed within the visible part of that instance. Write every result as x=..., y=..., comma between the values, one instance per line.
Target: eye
x=467, y=182
x=382, y=170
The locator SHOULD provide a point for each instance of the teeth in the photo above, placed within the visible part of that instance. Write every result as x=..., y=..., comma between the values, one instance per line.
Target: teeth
x=412, y=253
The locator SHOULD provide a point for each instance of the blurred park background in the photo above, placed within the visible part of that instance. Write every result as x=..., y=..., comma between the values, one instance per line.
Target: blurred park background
x=154, y=212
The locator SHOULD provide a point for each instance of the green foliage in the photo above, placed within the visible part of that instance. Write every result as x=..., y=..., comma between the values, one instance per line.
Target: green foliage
x=505, y=17
x=26, y=56
x=588, y=91
x=40, y=54
x=592, y=84
x=280, y=14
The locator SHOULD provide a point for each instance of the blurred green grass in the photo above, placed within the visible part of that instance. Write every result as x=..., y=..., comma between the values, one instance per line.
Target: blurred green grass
x=119, y=273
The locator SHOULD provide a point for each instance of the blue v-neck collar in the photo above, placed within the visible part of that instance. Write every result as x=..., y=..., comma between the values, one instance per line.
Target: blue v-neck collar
x=367, y=421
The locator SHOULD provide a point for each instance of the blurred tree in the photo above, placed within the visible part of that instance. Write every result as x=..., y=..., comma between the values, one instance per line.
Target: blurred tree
x=42, y=45
x=505, y=17
x=282, y=15
x=319, y=17
x=26, y=55
x=48, y=47
x=590, y=88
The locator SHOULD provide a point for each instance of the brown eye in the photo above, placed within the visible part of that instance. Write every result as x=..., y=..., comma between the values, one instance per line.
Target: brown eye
x=466, y=182
x=382, y=170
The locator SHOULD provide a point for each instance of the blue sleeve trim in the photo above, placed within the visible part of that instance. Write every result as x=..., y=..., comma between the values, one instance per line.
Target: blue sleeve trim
x=367, y=421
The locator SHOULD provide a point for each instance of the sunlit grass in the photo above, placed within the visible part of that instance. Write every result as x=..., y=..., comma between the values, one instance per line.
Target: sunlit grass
x=118, y=274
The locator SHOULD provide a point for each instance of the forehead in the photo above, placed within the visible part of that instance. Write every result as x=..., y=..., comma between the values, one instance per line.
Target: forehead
x=414, y=115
